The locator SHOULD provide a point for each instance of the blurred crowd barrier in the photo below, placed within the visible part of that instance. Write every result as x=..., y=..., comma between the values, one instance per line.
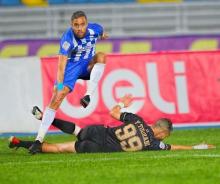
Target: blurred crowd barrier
x=50, y=47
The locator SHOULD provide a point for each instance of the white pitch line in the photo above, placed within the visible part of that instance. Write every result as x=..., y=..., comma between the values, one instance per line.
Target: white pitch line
x=111, y=159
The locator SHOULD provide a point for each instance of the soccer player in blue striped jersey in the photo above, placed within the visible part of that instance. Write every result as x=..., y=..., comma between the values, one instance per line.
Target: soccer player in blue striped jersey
x=77, y=60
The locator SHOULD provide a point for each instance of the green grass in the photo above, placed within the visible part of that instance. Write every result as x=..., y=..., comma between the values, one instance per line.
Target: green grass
x=156, y=167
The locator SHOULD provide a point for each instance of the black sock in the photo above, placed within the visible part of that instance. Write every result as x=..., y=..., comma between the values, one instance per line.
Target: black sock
x=64, y=126
x=25, y=144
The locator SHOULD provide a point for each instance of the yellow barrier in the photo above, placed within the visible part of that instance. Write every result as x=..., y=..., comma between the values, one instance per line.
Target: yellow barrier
x=33, y=3
x=159, y=1
x=50, y=49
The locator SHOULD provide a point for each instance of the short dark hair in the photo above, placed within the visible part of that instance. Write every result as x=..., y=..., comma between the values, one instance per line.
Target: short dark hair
x=78, y=14
x=164, y=123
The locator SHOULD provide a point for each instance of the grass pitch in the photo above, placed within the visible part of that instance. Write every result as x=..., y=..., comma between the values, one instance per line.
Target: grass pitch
x=156, y=167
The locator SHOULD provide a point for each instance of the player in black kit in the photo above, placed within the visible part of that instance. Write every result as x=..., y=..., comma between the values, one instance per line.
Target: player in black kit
x=133, y=135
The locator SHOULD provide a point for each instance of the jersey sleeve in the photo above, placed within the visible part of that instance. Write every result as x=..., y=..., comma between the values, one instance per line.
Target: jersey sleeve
x=65, y=44
x=129, y=117
x=159, y=145
x=98, y=29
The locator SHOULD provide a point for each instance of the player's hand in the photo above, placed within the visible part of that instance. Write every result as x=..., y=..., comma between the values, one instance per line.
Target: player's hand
x=126, y=100
x=36, y=147
x=211, y=146
x=104, y=36
x=204, y=146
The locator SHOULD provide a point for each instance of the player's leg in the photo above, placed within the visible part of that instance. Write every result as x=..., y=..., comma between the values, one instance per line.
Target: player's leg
x=14, y=142
x=96, y=69
x=64, y=126
x=68, y=147
x=50, y=112
x=71, y=74
x=87, y=146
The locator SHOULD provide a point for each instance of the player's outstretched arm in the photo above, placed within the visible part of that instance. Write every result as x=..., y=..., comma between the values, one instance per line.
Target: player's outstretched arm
x=125, y=101
x=198, y=146
x=60, y=72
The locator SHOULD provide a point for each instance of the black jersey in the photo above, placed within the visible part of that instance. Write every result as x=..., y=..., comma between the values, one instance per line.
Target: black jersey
x=134, y=135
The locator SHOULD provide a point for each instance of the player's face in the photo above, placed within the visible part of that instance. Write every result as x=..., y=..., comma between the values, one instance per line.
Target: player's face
x=162, y=135
x=79, y=26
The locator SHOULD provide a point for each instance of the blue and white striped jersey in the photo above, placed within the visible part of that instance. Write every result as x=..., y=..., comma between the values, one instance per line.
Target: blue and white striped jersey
x=80, y=49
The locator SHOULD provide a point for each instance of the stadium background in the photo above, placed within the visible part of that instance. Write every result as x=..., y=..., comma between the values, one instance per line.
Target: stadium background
x=29, y=34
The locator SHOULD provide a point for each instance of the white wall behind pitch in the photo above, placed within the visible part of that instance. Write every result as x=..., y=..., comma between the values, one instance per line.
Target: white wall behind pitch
x=20, y=89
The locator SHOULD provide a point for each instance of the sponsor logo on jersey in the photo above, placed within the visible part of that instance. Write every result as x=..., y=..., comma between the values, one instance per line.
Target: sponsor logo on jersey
x=66, y=45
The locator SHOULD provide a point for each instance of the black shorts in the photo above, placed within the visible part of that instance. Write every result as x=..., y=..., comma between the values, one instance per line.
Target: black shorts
x=91, y=140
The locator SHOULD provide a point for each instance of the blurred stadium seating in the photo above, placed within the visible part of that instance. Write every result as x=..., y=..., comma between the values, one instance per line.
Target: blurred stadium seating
x=120, y=20
x=62, y=2
x=159, y=1
x=10, y=3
